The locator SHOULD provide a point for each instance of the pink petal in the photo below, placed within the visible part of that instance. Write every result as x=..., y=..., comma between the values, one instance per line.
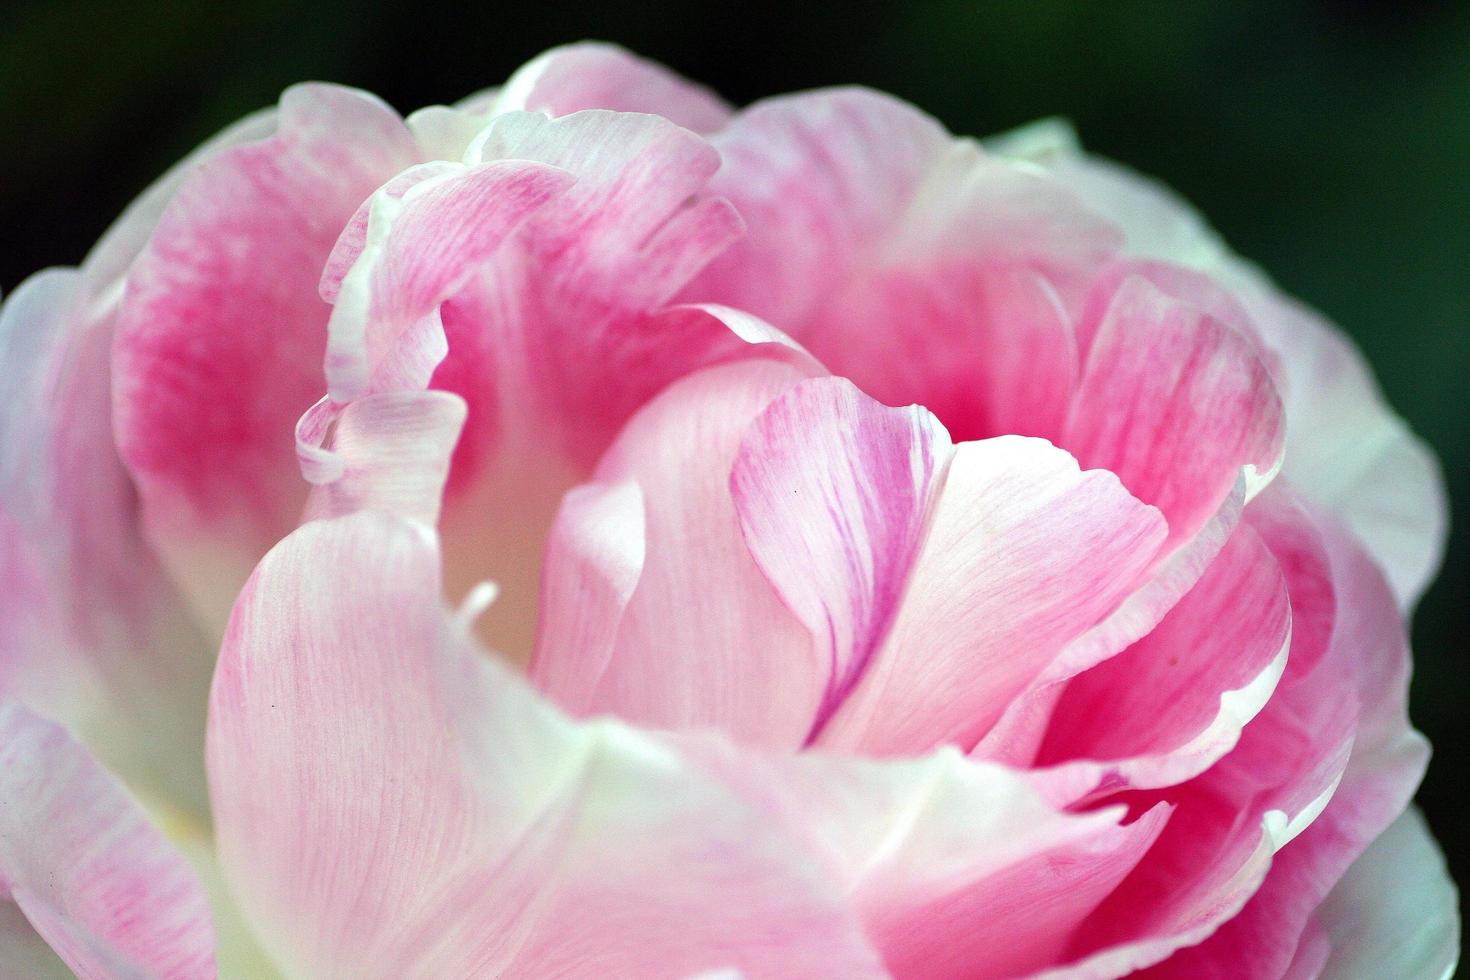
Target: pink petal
x=1349, y=451
x=391, y=453
x=1017, y=736
x=1176, y=404
x=1363, y=666
x=389, y=800
x=1024, y=552
x=594, y=559
x=586, y=272
x=220, y=334
x=1209, y=870
x=593, y=75
x=682, y=656
x=842, y=188
x=1173, y=703
x=428, y=232
x=561, y=334
x=832, y=491
x=92, y=631
x=104, y=888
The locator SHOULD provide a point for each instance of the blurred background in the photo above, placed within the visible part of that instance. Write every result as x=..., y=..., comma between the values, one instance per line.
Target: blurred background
x=1328, y=141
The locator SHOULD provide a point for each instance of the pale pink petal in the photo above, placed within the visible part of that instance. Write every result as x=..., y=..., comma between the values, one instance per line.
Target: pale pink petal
x=104, y=888
x=1173, y=703
x=1395, y=913
x=1352, y=454
x=683, y=656
x=594, y=75
x=594, y=559
x=572, y=295
x=956, y=867
x=1017, y=736
x=221, y=332
x=388, y=800
x=1024, y=552
x=1176, y=403
x=833, y=491
x=91, y=632
x=596, y=549
x=1207, y=863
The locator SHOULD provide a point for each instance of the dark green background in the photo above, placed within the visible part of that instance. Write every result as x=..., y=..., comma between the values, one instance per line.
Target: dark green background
x=1328, y=141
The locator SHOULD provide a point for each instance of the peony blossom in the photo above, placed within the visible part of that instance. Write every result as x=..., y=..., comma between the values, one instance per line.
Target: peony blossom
x=911, y=557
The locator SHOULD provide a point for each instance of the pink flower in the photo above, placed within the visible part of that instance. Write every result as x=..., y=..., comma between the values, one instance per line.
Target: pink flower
x=914, y=558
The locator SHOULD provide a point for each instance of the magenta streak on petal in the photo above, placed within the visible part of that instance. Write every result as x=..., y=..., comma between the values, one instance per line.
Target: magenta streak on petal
x=836, y=541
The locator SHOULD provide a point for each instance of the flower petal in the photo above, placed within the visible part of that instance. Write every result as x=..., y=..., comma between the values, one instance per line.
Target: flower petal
x=1349, y=451
x=593, y=75
x=682, y=656
x=842, y=188
x=535, y=327
x=388, y=800
x=1176, y=404
x=1395, y=912
x=1024, y=552
x=220, y=333
x=1173, y=703
x=104, y=888
x=388, y=797
x=951, y=863
x=1257, y=840
x=427, y=232
x=92, y=631
x=833, y=490
x=1365, y=667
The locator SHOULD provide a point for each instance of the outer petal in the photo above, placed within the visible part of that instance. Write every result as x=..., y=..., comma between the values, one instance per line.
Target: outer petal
x=1353, y=455
x=389, y=801
x=427, y=232
x=1297, y=757
x=1395, y=912
x=956, y=867
x=1349, y=451
x=593, y=75
x=79, y=859
x=1364, y=666
x=220, y=334
x=90, y=631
